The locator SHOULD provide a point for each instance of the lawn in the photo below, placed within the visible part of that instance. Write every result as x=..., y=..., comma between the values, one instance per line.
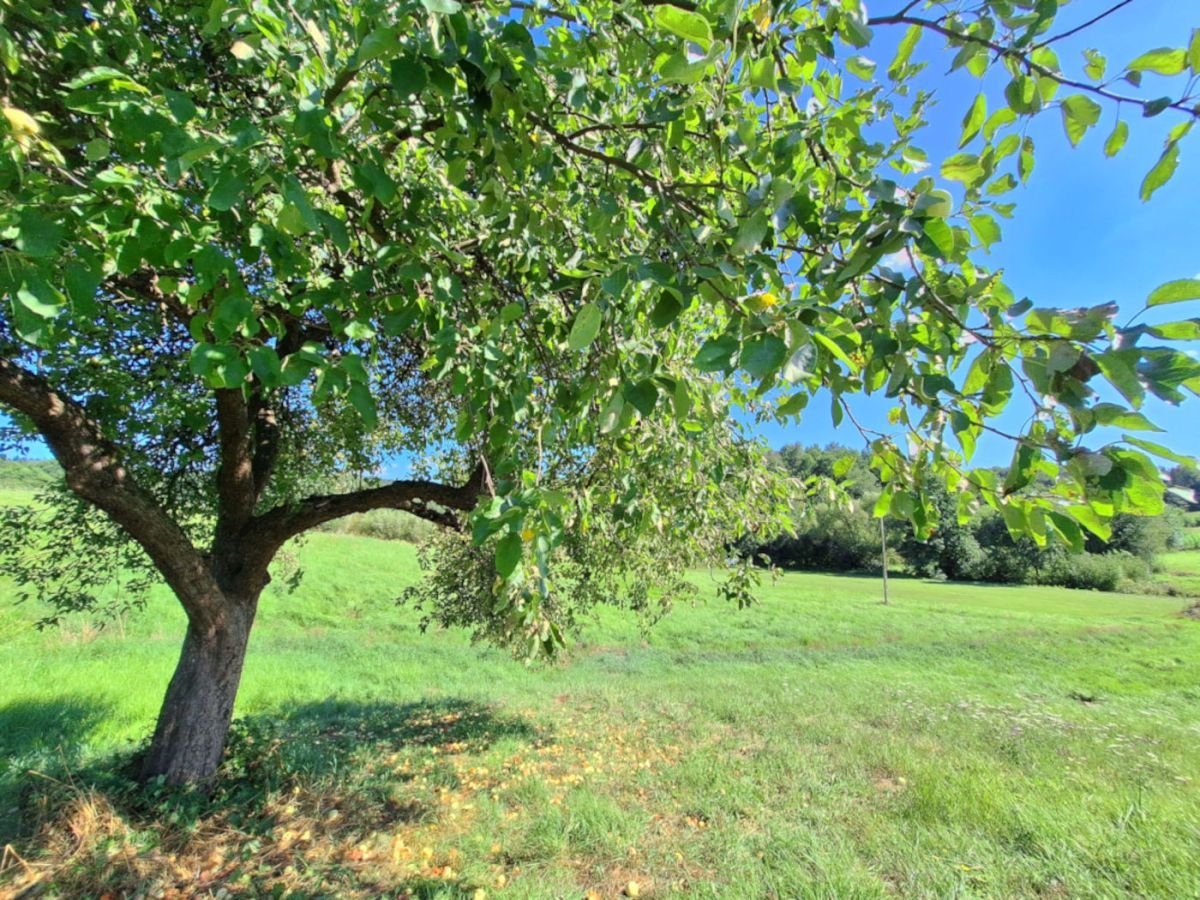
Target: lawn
x=1181, y=569
x=965, y=740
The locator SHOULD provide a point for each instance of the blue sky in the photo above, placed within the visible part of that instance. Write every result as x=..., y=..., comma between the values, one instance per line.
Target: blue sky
x=1080, y=235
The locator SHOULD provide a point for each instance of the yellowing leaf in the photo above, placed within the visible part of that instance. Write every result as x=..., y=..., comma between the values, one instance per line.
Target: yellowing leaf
x=241, y=50
x=21, y=122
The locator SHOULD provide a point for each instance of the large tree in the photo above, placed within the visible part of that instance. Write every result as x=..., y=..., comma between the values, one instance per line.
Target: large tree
x=549, y=249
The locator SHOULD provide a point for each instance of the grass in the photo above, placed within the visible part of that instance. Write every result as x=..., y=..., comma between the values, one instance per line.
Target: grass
x=965, y=740
x=1181, y=570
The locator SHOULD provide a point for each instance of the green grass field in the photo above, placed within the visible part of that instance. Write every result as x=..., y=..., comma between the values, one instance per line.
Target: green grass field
x=965, y=740
x=1181, y=569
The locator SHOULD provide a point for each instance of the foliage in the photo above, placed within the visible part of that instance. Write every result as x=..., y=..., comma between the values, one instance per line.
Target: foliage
x=828, y=537
x=69, y=555
x=1095, y=571
x=1143, y=536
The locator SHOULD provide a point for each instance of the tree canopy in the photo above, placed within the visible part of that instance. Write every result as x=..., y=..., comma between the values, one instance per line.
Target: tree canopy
x=560, y=253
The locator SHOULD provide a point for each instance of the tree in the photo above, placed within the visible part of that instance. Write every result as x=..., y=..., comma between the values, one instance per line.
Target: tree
x=552, y=248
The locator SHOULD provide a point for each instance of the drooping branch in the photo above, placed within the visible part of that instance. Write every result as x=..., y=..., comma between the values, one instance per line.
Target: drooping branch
x=94, y=472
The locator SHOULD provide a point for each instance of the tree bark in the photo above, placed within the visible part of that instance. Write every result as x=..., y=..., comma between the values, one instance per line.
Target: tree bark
x=189, y=739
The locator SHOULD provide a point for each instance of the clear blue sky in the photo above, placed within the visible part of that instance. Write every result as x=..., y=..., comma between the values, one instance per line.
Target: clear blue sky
x=1080, y=235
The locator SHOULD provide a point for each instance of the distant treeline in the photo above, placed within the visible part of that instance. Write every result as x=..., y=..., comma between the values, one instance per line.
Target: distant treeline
x=832, y=535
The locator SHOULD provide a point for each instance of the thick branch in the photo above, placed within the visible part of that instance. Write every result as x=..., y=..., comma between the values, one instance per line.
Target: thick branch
x=235, y=477
x=430, y=500
x=95, y=473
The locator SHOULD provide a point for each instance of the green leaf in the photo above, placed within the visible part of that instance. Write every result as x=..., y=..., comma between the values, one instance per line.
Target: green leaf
x=942, y=236
x=1119, y=367
x=762, y=73
x=1119, y=417
x=1079, y=113
x=1025, y=160
x=643, y=395
x=509, y=550
x=833, y=347
x=226, y=192
x=585, y=328
x=985, y=229
x=1193, y=54
x=1164, y=61
x=762, y=355
x=1185, y=330
x=37, y=234
x=861, y=66
x=904, y=50
x=362, y=401
x=221, y=365
x=1096, y=65
x=1162, y=171
x=1160, y=451
x=963, y=167
x=40, y=299
x=1175, y=292
x=96, y=149
x=407, y=77
x=751, y=233
x=443, y=7
x=610, y=416
x=690, y=26
x=1067, y=529
x=715, y=353
x=1116, y=140
x=973, y=120
x=114, y=78
x=666, y=310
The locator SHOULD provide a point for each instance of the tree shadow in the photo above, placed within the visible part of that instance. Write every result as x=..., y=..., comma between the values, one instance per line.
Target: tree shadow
x=330, y=747
x=321, y=737
x=318, y=778
x=44, y=735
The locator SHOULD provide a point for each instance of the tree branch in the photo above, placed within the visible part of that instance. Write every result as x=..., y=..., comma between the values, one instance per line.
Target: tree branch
x=430, y=500
x=1030, y=65
x=95, y=473
x=235, y=477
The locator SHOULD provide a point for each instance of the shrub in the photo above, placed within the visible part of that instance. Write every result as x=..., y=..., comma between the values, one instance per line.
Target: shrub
x=828, y=537
x=1143, y=536
x=385, y=524
x=1093, y=571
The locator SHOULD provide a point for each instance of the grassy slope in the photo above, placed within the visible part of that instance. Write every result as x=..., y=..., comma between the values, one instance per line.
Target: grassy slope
x=967, y=738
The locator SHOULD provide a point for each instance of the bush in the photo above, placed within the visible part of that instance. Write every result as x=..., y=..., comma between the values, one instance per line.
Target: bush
x=385, y=524
x=1092, y=571
x=1143, y=536
x=829, y=538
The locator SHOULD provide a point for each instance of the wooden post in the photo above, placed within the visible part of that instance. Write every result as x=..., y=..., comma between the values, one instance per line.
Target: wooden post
x=883, y=542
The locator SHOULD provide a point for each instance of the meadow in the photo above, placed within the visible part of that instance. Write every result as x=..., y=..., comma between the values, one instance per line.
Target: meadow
x=964, y=740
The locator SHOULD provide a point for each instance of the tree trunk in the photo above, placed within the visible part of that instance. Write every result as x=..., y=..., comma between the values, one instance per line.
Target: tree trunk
x=189, y=739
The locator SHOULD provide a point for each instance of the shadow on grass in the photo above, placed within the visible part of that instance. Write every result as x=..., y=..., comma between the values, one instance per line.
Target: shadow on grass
x=41, y=735
x=306, y=782
x=330, y=747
